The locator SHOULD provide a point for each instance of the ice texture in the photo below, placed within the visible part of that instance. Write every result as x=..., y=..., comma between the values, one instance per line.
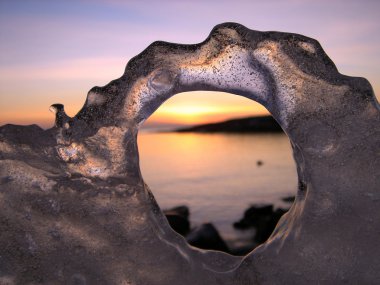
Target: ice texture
x=74, y=208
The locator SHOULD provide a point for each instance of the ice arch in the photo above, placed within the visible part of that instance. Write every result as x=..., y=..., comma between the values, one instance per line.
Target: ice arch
x=74, y=207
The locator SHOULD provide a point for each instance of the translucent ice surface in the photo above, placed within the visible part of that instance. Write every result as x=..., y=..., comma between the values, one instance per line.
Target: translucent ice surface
x=74, y=208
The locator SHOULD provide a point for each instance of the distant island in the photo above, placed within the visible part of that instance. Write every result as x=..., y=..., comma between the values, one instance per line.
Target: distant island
x=263, y=124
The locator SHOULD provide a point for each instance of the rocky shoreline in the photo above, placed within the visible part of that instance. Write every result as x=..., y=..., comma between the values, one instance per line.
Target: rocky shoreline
x=261, y=218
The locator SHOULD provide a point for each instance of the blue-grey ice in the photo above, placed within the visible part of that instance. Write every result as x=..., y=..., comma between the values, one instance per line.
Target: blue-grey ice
x=74, y=208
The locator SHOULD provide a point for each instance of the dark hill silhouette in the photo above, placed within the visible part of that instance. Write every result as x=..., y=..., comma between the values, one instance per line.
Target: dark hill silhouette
x=263, y=124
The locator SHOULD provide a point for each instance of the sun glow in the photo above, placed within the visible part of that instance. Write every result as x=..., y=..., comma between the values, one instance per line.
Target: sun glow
x=204, y=107
x=194, y=110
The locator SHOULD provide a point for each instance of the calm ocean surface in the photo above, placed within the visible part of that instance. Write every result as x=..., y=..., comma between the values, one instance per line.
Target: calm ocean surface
x=217, y=175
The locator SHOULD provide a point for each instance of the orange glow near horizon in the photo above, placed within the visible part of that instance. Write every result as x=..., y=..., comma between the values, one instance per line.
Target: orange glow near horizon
x=191, y=115
x=202, y=107
x=188, y=108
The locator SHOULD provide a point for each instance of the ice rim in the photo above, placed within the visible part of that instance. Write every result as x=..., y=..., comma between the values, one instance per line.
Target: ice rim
x=75, y=209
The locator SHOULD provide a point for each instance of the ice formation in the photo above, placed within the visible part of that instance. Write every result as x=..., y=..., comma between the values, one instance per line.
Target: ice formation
x=74, y=208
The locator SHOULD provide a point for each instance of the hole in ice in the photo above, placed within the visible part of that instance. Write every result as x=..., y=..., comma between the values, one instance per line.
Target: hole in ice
x=231, y=183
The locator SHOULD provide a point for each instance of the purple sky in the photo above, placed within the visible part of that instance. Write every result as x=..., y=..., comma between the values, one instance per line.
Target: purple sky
x=55, y=51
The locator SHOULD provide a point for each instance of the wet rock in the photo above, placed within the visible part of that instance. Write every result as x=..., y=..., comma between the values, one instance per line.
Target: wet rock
x=207, y=236
x=243, y=250
x=252, y=216
x=178, y=219
x=263, y=218
x=182, y=211
x=289, y=199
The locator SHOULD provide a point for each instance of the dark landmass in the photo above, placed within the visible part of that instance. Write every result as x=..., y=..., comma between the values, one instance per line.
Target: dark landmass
x=263, y=124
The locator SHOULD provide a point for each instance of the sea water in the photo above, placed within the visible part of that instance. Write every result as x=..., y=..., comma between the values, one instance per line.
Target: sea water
x=218, y=176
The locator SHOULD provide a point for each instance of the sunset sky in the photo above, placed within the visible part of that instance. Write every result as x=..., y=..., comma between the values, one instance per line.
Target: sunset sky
x=55, y=51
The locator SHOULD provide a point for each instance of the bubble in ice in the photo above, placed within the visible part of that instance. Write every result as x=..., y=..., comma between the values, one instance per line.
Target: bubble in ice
x=111, y=230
